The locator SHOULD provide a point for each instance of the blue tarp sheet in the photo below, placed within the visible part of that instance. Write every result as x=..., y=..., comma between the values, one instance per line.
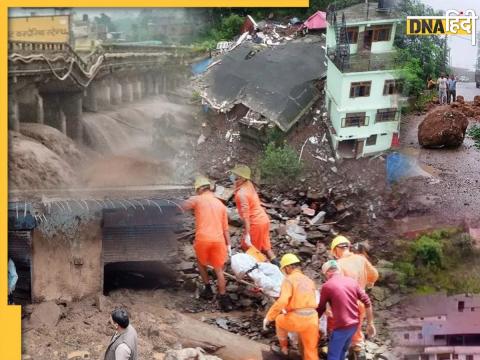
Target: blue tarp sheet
x=400, y=166
x=201, y=66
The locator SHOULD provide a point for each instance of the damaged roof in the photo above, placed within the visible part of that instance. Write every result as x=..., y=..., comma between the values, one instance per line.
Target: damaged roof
x=277, y=82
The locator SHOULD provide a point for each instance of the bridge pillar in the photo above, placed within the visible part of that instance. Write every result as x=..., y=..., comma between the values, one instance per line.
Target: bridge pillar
x=72, y=110
x=115, y=92
x=13, y=113
x=53, y=114
x=164, y=83
x=137, y=88
x=149, y=84
x=90, y=102
x=103, y=94
x=127, y=90
x=40, y=110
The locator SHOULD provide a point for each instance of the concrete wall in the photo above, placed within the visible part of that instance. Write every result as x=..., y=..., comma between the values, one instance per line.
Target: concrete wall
x=66, y=258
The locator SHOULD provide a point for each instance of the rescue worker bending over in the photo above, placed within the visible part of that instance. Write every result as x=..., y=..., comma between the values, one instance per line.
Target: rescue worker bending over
x=295, y=309
x=357, y=267
x=212, y=240
x=255, y=219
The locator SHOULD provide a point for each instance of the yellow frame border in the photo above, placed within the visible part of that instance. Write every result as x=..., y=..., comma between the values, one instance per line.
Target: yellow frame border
x=10, y=331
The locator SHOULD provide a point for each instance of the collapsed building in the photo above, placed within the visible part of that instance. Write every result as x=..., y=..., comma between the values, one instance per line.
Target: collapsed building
x=439, y=327
x=266, y=86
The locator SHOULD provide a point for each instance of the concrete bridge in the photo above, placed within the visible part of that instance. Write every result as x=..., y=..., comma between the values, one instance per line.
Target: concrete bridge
x=50, y=83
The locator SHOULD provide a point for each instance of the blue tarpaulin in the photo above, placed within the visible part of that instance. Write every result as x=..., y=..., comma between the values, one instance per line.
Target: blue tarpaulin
x=201, y=66
x=400, y=166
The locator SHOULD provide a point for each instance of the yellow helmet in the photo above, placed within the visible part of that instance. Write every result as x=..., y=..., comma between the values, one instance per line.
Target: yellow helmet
x=339, y=240
x=288, y=259
x=201, y=181
x=243, y=171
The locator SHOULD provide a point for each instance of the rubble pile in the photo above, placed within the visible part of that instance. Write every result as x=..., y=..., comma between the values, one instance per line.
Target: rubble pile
x=469, y=109
x=442, y=128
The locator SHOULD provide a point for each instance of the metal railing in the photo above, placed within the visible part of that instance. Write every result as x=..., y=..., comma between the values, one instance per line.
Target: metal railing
x=364, y=62
x=364, y=121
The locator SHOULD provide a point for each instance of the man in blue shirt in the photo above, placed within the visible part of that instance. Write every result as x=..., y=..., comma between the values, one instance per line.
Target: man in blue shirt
x=451, y=89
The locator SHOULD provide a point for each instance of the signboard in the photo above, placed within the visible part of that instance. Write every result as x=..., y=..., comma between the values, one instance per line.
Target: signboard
x=53, y=28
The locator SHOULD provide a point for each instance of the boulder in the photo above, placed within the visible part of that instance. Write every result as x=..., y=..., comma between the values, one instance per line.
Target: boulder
x=46, y=314
x=476, y=100
x=442, y=128
x=460, y=99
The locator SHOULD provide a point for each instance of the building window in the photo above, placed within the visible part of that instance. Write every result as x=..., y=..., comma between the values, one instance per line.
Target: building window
x=371, y=140
x=420, y=336
x=382, y=32
x=358, y=89
x=469, y=357
x=355, y=119
x=383, y=115
x=352, y=33
x=392, y=87
x=461, y=306
x=472, y=309
x=406, y=336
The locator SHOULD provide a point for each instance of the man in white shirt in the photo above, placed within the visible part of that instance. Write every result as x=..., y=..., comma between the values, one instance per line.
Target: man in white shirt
x=123, y=344
x=442, y=89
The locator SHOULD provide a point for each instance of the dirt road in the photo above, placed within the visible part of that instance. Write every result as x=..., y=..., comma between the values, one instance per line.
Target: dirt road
x=454, y=192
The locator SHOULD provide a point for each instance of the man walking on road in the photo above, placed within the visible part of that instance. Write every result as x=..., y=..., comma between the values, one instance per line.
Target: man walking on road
x=212, y=240
x=343, y=294
x=452, y=89
x=255, y=219
x=295, y=309
x=123, y=344
x=357, y=267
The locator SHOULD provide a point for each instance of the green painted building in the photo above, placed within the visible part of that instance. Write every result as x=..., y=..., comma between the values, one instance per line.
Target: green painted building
x=362, y=89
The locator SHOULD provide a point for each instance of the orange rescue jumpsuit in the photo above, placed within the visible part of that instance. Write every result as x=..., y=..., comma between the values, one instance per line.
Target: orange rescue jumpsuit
x=249, y=207
x=359, y=268
x=211, y=221
x=297, y=298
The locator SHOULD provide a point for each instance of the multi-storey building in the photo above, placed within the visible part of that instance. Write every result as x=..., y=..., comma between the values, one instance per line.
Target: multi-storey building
x=439, y=327
x=363, y=88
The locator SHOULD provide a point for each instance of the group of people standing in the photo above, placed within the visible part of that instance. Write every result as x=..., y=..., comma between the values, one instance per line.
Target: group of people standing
x=298, y=308
x=447, y=88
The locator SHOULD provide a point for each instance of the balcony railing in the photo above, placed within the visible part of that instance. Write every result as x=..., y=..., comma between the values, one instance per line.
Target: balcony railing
x=364, y=62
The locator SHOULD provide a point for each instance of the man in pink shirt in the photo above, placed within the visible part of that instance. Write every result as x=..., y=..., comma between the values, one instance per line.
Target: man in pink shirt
x=343, y=294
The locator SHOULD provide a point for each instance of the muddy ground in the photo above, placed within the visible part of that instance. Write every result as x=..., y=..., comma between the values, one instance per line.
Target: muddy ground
x=454, y=191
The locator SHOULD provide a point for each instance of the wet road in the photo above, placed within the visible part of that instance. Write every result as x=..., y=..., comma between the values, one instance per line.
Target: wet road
x=467, y=90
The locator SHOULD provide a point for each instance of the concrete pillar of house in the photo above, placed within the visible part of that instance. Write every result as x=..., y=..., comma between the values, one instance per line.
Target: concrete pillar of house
x=90, y=101
x=115, y=92
x=72, y=110
x=13, y=113
x=40, y=110
x=52, y=113
x=127, y=90
x=103, y=94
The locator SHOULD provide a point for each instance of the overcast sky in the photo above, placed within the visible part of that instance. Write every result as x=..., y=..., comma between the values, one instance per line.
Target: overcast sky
x=462, y=53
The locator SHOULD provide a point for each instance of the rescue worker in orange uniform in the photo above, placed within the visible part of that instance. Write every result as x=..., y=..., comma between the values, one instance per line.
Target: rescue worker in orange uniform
x=295, y=309
x=357, y=267
x=255, y=219
x=212, y=240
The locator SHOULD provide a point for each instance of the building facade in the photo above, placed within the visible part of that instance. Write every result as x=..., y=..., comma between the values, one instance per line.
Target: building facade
x=363, y=89
x=439, y=327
